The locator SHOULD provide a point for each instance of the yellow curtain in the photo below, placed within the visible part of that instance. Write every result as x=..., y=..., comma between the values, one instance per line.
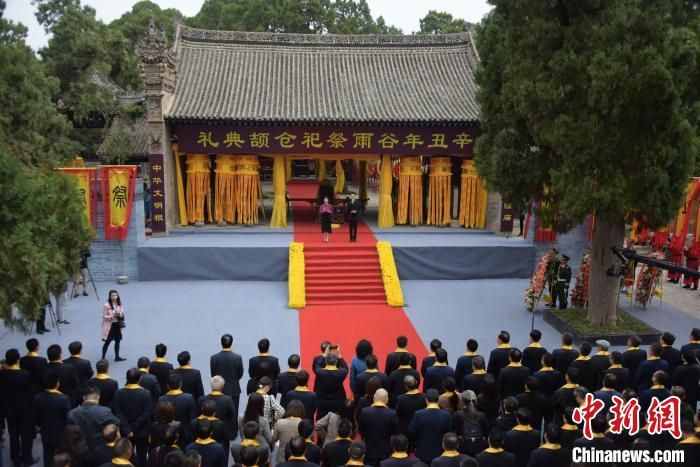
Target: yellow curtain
x=198, y=188
x=279, y=207
x=224, y=196
x=473, y=199
x=288, y=168
x=363, y=181
x=683, y=213
x=339, y=177
x=247, y=189
x=321, y=170
x=440, y=195
x=385, y=218
x=410, y=205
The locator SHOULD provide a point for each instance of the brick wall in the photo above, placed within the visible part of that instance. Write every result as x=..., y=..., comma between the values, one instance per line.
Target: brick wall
x=113, y=258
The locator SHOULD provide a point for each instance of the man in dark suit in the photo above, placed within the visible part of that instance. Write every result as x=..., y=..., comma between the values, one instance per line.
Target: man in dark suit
x=549, y=378
x=133, y=405
x=564, y=355
x=288, y=379
x=161, y=368
x=694, y=343
x=243, y=448
x=107, y=386
x=297, y=458
x=650, y=366
x=551, y=453
x=225, y=409
x=335, y=453
x=16, y=396
x=622, y=374
x=399, y=453
x=495, y=455
x=191, y=377
x=633, y=356
x=51, y=409
x=392, y=359
x=354, y=212
x=397, y=377
x=90, y=416
x=356, y=452
x=377, y=424
x=148, y=381
x=532, y=355
x=500, y=356
x=261, y=365
x=436, y=374
x=371, y=372
x=669, y=353
x=185, y=407
x=475, y=380
x=451, y=457
x=586, y=375
x=228, y=365
x=600, y=362
x=464, y=366
x=35, y=364
x=303, y=394
x=687, y=376
x=564, y=396
x=67, y=374
x=522, y=439
x=428, y=427
x=409, y=403
x=330, y=392
x=430, y=358
x=512, y=378
x=535, y=401
x=82, y=366
x=210, y=449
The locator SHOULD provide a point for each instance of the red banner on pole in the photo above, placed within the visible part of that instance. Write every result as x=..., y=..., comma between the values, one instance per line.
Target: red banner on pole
x=118, y=188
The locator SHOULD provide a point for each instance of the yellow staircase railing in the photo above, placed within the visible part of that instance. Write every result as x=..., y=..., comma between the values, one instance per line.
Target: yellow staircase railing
x=390, y=275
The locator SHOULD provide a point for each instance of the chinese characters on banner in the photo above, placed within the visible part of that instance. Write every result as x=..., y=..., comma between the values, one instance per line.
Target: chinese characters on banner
x=84, y=178
x=118, y=183
x=157, y=193
x=212, y=139
x=662, y=416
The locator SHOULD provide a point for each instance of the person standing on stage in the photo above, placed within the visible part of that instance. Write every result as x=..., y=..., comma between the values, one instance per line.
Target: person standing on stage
x=561, y=290
x=112, y=324
x=692, y=261
x=326, y=212
x=354, y=210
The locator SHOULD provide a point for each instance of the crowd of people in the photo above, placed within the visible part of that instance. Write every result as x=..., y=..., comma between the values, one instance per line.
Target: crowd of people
x=512, y=408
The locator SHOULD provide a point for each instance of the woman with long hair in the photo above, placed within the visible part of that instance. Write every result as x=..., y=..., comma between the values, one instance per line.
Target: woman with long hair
x=326, y=212
x=358, y=365
x=288, y=427
x=112, y=324
x=255, y=412
x=471, y=425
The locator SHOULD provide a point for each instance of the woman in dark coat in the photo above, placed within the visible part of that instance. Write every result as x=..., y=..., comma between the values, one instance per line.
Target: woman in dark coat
x=326, y=212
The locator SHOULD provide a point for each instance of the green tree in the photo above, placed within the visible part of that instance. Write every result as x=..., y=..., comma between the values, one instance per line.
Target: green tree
x=441, y=22
x=591, y=106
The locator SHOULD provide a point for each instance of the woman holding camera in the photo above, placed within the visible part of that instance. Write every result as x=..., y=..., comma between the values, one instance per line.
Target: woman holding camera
x=112, y=324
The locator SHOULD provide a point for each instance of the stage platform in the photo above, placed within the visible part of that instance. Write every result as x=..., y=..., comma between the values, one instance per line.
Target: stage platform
x=261, y=254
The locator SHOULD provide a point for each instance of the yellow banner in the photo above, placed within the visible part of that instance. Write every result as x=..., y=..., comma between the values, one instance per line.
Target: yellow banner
x=118, y=197
x=83, y=178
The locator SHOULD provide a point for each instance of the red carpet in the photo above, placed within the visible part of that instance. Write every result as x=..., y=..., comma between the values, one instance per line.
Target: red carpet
x=345, y=293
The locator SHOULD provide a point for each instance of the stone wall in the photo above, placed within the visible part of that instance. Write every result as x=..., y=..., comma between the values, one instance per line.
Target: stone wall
x=112, y=258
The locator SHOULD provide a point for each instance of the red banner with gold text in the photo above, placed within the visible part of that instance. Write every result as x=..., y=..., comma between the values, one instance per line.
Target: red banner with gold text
x=118, y=188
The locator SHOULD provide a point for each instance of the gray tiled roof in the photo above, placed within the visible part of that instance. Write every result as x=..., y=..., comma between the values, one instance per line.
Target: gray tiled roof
x=306, y=78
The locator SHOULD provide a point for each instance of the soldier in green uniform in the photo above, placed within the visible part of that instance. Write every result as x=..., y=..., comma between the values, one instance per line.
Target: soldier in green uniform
x=561, y=288
x=551, y=275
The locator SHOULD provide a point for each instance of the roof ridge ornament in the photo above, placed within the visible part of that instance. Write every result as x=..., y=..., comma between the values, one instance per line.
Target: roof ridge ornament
x=153, y=47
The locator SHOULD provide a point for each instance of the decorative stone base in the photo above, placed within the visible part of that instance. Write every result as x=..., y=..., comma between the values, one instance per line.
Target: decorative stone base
x=615, y=339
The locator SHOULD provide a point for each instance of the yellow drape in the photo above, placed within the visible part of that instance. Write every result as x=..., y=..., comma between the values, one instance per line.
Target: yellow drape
x=225, y=194
x=247, y=189
x=363, y=180
x=181, y=200
x=198, y=188
x=473, y=199
x=288, y=168
x=440, y=195
x=410, y=203
x=385, y=217
x=339, y=177
x=321, y=169
x=683, y=211
x=279, y=183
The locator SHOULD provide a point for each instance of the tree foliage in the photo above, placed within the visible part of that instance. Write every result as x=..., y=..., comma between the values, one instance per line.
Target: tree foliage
x=440, y=22
x=591, y=106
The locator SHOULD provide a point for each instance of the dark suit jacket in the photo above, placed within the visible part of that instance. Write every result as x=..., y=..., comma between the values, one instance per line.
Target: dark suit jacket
x=444, y=461
x=36, y=366
x=335, y=453
x=108, y=388
x=622, y=377
x=150, y=383
x=427, y=429
x=586, y=374
x=599, y=365
x=521, y=444
x=499, y=359
x=68, y=377
x=427, y=362
x=435, y=375
x=82, y=366
x=162, y=371
x=396, y=386
x=532, y=357
x=463, y=368
x=362, y=378
x=263, y=365
x=474, y=382
x=213, y=455
x=287, y=382
x=672, y=356
x=185, y=411
x=377, y=425
x=563, y=358
x=392, y=361
x=688, y=376
x=191, y=381
x=645, y=371
x=308, y=398
x=133, y=406
x=631, y=359
x=512, y=379
x=406, y=406
x=228, y=365
x=15, y=392
x=51, y=415
x=550, y=381
x=225, y=411
x=329, y=384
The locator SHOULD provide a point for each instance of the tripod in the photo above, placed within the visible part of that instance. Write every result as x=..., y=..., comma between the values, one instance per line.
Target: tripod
x=92, y=281
x=54, y=319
